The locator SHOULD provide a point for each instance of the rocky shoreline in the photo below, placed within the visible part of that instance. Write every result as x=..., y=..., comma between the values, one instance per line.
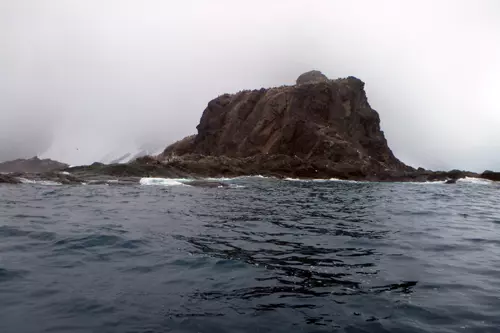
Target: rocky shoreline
x=316, y=129
x=199, y=168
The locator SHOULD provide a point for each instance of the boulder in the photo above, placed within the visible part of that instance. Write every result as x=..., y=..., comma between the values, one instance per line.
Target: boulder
x=311, y=77
x=491, y=175
x=8, y=179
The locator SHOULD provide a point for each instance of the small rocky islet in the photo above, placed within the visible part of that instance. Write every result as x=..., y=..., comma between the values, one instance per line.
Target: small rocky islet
x=317, y=128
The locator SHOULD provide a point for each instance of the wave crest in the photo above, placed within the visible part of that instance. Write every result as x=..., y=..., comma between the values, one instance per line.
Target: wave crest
x=160, y=182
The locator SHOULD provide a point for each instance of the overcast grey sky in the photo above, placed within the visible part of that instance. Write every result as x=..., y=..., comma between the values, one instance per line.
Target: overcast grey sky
x=79, y=79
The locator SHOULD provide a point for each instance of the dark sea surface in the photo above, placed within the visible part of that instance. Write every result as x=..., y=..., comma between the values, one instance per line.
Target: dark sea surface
x=263, y=256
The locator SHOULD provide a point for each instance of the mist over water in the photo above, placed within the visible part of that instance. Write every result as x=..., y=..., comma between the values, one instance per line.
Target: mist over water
x=83, y=79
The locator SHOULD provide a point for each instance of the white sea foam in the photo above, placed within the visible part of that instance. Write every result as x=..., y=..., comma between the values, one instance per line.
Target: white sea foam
x=320, y=180
x=216, y=179
x=48, y=182
x=345, y=180
x=221, y=179
x=433, y=182
x=472, y=180
x=66, y=173
x=302, y=180
x=184, y=180
x=39, y=182
x=297, y=180
x=234, y=186
x=160, y=182
x=358, y=181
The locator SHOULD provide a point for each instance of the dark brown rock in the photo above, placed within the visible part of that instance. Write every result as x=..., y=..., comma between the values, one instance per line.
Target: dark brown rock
x=491, y=175
x=8, y=179
x=325, y=127
x=312, y=77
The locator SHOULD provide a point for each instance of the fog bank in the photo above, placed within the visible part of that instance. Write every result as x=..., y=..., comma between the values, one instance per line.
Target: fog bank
x=81, y=79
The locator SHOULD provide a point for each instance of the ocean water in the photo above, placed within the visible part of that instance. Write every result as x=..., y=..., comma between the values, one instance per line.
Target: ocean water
x=263, y=255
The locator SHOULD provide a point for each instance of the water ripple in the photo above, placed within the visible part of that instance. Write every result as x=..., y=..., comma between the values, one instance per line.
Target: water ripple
x=264, y=255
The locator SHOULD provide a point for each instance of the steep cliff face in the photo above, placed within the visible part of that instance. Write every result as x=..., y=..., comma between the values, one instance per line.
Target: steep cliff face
x=328, y=122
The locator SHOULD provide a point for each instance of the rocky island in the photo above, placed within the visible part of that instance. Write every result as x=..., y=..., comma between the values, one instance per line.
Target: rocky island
x=317, y=128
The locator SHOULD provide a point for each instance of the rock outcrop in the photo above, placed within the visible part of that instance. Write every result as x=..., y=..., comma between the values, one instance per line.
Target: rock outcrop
x=8, y=179
x=311, y=77
x=32, y=165
x=491, y=175
x=320, y=126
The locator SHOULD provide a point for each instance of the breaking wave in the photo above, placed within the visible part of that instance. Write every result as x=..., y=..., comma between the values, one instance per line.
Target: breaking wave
x=320, y=180
x=160, y=182
x=39, y=182
x=239, y=177
x=472, y=180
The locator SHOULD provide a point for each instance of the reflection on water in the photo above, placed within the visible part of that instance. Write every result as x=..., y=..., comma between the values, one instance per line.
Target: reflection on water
x=302, y=248
x=269, y=256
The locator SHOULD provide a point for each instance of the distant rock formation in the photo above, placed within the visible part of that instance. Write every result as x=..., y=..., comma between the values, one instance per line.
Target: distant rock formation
x=325, y=126
x=32, y=165
x=491, y=175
